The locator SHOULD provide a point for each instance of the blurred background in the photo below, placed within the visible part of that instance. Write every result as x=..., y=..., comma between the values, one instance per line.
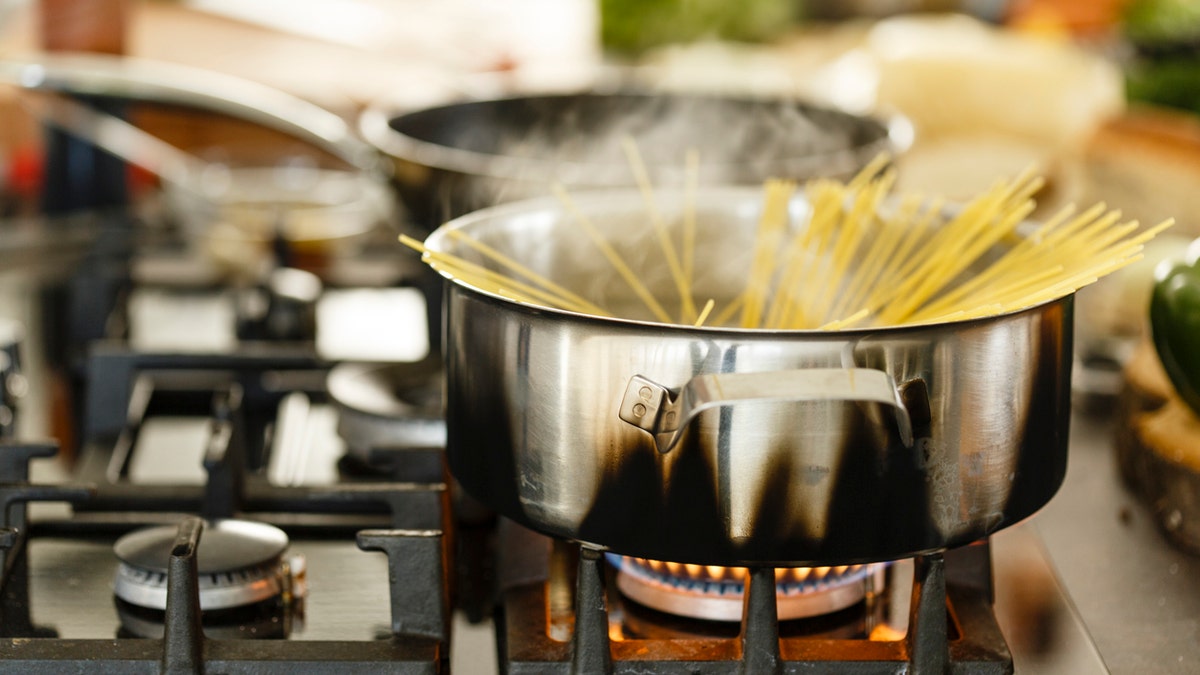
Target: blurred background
x=205, y=178
x=987, y=85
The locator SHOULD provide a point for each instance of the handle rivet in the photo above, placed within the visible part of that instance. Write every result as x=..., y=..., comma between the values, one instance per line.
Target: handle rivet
x=670, y=417
x=645, y=393
x=639, y=410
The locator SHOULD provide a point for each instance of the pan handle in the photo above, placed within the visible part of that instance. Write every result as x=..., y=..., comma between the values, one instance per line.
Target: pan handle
x=652, y=407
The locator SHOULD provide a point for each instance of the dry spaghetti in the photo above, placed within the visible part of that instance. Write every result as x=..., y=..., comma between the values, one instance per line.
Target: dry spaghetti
x=858, y=257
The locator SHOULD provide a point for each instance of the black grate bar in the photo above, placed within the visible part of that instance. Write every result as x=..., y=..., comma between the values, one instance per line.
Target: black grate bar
x=417, y=582
x=183, y=637
x=590, y=651
x=928, y=643
x=41, y=656
x=412, y=506
x=974, y=646
x=760, y=624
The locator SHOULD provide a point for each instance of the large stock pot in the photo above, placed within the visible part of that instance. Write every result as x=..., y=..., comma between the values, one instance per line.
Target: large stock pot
x=731, y=446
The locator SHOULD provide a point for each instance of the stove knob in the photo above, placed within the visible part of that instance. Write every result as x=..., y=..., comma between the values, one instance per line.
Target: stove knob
x=284, y=309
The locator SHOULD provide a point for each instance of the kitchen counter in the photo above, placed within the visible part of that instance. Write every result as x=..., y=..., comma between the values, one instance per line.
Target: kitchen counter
x=1138, y=596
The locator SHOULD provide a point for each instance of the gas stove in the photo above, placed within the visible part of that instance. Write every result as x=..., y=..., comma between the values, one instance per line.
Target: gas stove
x=235, y=491
x=203, y=511
x=233, y=594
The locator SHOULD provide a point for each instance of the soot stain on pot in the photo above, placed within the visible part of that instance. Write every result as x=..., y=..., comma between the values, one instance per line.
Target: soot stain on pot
x=671, y=514
x=479, y=425
x=669, y=504
x=676, y=512
x=1035, y=481
x=626, y=497
x=775, y=512
x=481, y=467
x=785, y=521
x=878, y=503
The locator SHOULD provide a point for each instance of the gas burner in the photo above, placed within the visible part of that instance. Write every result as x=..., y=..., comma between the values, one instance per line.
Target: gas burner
x=386, y=410
x=240, y=563
x=267, y=620
x=635, y=621
x=715, y=593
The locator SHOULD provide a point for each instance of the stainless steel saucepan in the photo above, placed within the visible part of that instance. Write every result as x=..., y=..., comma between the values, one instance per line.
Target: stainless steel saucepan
x=453, y=159
x=730, y=446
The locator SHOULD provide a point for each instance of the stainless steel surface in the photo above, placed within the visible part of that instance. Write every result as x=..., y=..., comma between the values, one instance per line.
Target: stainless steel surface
x=1138, y=596
x=1041, y=625
x=239, y=562
x=454, y=159
x=324, y=211
x=534, y=393
x=389, y=406
x=159, y=81
x=70, y=590
x=654, y=408
x=121, y=139
x=233, y=545
x=234, y=212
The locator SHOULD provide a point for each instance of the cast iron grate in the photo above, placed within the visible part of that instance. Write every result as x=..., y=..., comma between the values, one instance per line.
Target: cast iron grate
x=418, y=598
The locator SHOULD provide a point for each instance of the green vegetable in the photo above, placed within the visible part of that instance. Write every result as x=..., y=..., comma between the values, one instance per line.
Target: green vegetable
x=1165, y=35
x=1175, y=323
x=1158, y=22
x=1170, y=81
x=637, y=25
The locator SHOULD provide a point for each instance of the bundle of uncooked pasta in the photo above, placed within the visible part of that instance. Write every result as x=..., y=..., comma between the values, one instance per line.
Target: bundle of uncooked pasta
x=862, y=257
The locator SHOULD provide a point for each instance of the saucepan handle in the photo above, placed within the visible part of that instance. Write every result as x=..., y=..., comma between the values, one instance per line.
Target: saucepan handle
x=654, y=408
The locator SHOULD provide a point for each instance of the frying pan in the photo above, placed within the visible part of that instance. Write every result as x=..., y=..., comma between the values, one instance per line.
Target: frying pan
x=452, y=159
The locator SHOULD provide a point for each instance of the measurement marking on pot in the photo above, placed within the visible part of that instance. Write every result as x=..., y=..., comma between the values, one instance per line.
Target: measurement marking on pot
x=814, y=474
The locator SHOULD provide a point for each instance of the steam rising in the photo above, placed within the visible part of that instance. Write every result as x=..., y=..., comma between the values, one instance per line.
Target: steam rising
x=555, y=246
x=515, y=148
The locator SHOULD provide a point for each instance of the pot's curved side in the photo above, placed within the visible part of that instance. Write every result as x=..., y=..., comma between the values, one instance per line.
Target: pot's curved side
x=536, y=426
x=533, y=430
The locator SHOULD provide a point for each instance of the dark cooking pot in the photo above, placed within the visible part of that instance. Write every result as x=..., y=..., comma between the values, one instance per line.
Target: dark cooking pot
x=454, y=159
x=729, y=446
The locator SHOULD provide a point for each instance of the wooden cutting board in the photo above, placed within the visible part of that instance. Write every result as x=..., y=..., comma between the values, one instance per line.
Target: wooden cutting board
x=1158, y=447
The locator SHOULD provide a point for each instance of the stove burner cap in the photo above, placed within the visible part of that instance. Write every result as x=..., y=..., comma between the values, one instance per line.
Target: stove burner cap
x=239, y=563
x=396, y=405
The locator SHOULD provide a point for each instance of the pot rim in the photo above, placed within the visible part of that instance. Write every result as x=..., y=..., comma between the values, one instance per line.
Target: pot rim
x=896, y=134
x=585, y=198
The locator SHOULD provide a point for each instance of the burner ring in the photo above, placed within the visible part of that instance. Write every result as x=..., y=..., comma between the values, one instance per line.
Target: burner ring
x=223, y=590
x=238, y=563
x=695, y=591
